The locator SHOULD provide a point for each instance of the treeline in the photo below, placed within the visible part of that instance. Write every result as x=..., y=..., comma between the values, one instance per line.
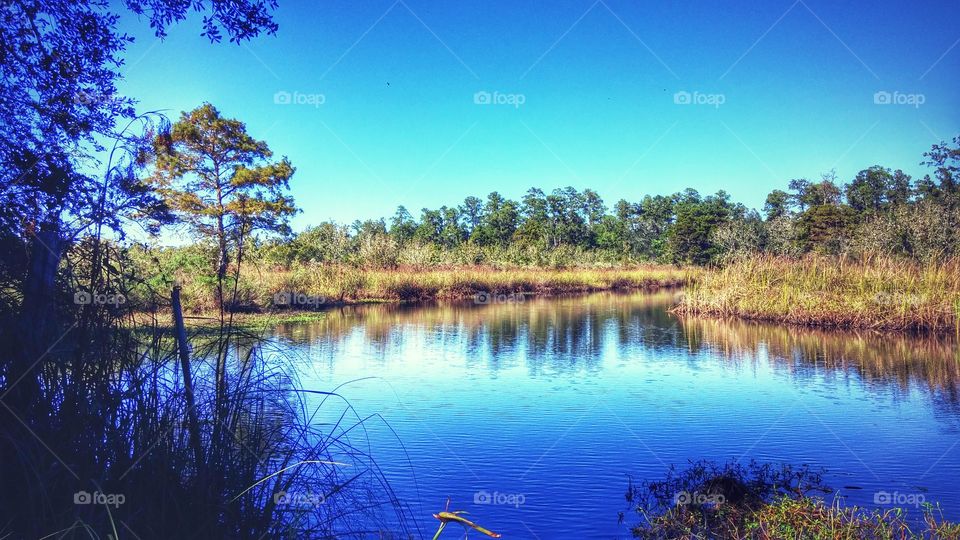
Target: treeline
x=878, y=212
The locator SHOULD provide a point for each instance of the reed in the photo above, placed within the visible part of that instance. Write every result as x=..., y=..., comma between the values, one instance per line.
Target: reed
x=815, y=519
x=107, y=448
x=876, y=293
x=320, y=284
x=763, y=501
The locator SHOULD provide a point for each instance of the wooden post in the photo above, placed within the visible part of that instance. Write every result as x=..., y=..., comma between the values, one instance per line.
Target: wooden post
x=184, y=349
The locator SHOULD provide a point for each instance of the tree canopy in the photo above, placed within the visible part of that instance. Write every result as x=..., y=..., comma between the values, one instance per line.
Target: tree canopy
x=877, y=212
x=219, y=180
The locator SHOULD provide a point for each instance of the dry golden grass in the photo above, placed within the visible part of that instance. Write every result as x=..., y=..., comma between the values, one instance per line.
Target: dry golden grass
x=335, y=284
x=820, y=291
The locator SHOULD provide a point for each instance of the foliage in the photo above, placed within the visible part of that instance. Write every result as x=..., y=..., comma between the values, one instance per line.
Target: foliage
x=71, y=152
x=880, y=212
x=707, y=500
x=60, y=112
x=572, y=229
x=737, y=239
x=689, y=239
x=761, y=501
x=217, y=179
x=93, y=407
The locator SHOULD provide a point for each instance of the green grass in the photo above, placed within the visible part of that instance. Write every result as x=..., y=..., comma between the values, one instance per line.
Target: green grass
x=764, y=501
x=813, y=519
x=801, y=518
x=819, y=291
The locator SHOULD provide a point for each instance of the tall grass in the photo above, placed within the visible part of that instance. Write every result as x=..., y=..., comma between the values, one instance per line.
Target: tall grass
x=875, y=293
x=760, y=501
x=110, y=426
x=333, y=284
x=815, y=519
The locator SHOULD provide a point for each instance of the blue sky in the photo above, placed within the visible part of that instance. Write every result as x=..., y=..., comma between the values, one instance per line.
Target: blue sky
x=383, y=95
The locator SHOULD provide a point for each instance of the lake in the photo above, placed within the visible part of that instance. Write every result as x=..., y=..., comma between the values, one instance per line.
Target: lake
x=531, y=414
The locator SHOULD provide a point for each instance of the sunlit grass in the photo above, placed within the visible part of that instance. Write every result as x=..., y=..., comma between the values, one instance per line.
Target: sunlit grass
x=767, y=501
x=879, y=293
x=344, y=284
x=814, y=519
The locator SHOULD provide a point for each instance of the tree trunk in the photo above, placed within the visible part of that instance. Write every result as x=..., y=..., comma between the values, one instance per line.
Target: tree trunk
x=222, y=263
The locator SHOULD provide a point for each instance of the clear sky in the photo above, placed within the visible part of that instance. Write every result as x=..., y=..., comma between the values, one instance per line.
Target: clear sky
x=384, y=94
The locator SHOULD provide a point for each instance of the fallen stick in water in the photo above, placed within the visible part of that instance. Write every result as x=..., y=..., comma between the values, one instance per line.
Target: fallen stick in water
x=446, y=517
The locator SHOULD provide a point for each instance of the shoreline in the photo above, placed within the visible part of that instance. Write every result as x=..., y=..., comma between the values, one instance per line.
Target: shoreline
x=878, y=295
x=283, y=315
x=312, y=288
x=815, y=292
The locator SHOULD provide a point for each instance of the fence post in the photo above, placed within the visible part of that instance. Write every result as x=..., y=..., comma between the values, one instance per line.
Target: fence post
x=184, y=349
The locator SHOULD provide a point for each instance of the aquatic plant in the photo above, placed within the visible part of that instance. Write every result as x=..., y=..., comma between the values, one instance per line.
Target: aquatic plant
x=762, y=501
x=706, y=498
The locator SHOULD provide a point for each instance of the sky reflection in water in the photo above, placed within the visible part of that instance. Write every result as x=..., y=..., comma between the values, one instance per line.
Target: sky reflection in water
x=531, y=415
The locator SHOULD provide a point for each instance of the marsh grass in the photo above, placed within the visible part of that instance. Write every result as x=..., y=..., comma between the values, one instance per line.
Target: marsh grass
x=819, y=291
x=339, y=284
x=112, y=419
x=815, y=519
x=762, y=501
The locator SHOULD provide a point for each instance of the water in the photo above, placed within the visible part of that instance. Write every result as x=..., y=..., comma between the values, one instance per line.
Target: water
x=531, y=416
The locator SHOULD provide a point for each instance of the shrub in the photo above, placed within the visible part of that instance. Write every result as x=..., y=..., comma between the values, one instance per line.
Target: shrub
x=761, y=501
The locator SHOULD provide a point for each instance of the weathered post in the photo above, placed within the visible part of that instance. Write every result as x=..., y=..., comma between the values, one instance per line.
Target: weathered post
x=184, y=349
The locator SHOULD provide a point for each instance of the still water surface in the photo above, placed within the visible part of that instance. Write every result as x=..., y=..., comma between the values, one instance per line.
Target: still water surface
x=532, y=415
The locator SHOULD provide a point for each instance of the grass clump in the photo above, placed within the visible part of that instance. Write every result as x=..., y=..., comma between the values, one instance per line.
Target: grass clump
x=814, y=519
x=104, y=445
x=709, y=500
x=875, y=293
x=760, y=501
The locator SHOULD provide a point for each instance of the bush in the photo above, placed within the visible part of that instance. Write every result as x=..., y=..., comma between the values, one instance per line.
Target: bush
x=763, y=502
x=782, y=237
x=708, y=500
x=419, y=255
x=738, y=239
x=378, y=251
